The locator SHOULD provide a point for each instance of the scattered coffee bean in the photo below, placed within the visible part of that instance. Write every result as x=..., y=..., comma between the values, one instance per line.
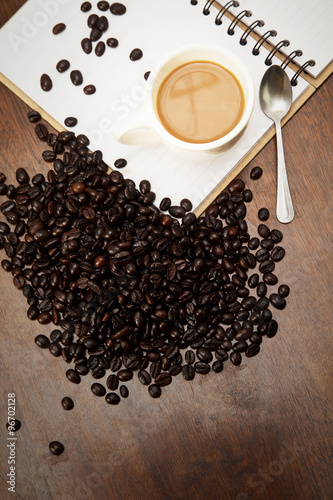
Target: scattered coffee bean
x=118, y=9
x=73, y=376
x=67, y=403
x=120, y=163
x=277, y=300
x=277, y=254
x=236, y=358
x=100, y=49
x=252, y=350
x=103, y=6
x=76, y=77
x=102, y=24
x=58, y=28
x=112, y=42
x=42, y=341
x=284, y=290
x=22, y=176
x=89, y=89
x=263, y=214
x=136, y=54
x=144, y=377
x=270, y=279
x=63, y=65
x=124, y=391
x=95, y=34
x=98, y=389
x=112, y=398
x=263, y=231
x=56, y=448
x=46, y=83
x=92, y=20
x=256, y=173
x=34, y=116
x=70, y=121
x=276, y=235
x=86, y=7
x=186, y=204
x=14, y=425
x=146, y=75
x=86, y=45
x=55, y=349
x=154, y=391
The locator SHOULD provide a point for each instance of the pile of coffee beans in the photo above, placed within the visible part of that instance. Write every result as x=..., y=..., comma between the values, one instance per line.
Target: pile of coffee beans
x=132, y=288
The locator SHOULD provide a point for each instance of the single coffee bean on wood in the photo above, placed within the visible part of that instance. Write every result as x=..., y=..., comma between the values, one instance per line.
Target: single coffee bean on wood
x=67, y=403
x=34, y=116
x=56, y=448
x=263, y=214
x=256, y=173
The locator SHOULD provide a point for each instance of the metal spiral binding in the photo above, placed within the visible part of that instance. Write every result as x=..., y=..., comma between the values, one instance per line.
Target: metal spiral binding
x=275, y=49
x=290, y=58
x=244, y=13
x=293, y=81
x=218, y=18
x=262, y=39
x=246, y=33
x=206, y=9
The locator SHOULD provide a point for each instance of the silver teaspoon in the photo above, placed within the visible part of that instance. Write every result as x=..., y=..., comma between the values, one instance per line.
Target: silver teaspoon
x=275, y=97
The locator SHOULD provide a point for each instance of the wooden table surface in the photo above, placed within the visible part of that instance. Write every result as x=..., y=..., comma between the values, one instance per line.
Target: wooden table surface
x=258, y=431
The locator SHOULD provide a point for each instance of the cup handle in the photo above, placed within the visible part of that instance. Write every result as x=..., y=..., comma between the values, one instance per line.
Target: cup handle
x=135, y=130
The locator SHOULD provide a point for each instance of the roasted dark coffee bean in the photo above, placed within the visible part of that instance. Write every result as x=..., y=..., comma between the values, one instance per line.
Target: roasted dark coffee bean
x=73, y=376
x=270, y=279
x=267, y=266
x=154, y=391
x=186, y=204
x=277, y=300
x=144, y=377
x=95, y=34
x=112, y=42
x=204, y=355
x=253, y=243
x=125, y=375
x=253, y=280
x=261, y=289
x=112, y=382
x=188, y=372
x=34, y=116
x=82, y=369
x=277, y=254
x=103, y=6
x=92, y=20
x=236, y=358
x=56, y=448
x=284, y=290
x=42, y=341
x=261, y=255
x=124, y=391
x=89, y=89
x=4, y=228
x=70, y=121
x=217, y=366
x=100, y=49
x=86, y=45
x=86, y=7
x=120, y=163
x=46, y=83
x=272, y=328
x=165, y=204
x=276, y=235
x=263, y=214
x=252, y=350
x=146, y=75
x=55, y=349
x=112, y=398
x=58, y=28
x=263, y=231
x=118, y=9
x=67, y=403
x=136, y=54
x=256, y=173
x=41, y=131
x=189, y=357
x=14, y=425
x=22, y=176
x=98, y=389
x=267, y=243
x=63, y=65
x=177, y=211
x=76, y=77
x=102, y=24
x=202, y=368
x=163, y=379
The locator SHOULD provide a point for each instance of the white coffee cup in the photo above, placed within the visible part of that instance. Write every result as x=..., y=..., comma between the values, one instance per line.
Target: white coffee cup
x=145, y=127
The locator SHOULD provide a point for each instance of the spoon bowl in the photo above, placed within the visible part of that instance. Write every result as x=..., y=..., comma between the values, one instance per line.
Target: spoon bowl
x=275, y=96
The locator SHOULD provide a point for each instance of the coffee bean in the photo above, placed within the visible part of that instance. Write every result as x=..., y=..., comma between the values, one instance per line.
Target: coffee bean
x=89, y=89
x=262, y=255
x=76, y=77
x=98, y=390
x=86, y=6
x=100, y=49
x=120, y=163
x=267, y=243
x=163, y=379
x=253, y=243
x=284, y=290
x=55, y=349
x=125, y=375
x=58, y=28
x=67, y=403
x=186, y=204
x=112, y=398
x=261, y=289
x=252, y=350
x=14, y=425
x=136, y=54
x=256, y=173
x=73, y=376
x=56, y=448
x=263, y=214
x=92, y=20
x=103, y=5
x=277, y=300
x=118, y=9
x=217, y=366
x=112, y=42
x=34, y=116
x=202, y=368
x=86, y=45
x=263, y=231
x=41, y=132
x=277, y=254
x=42, y=341
x=253, y=280
x=95, y=34
x=144, y=377
x=124, y=391
x=270, y=278
x=71, y=121
x=276, y=235
x=154, y=391
x=46, y=83
x=102, y=24
x=272, y=328
x=236, y=358
x=267, y=266
x=146, y=75
x=204, y=355
x=177, y=211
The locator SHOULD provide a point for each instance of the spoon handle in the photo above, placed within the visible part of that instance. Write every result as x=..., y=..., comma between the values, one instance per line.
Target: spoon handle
x=284, y=206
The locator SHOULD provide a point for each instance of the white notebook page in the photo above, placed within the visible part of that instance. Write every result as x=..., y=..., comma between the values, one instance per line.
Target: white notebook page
x=307, y=24
x=28, y=49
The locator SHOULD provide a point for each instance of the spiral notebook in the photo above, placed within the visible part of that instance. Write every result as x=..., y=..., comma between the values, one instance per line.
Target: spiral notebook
x=28, y=49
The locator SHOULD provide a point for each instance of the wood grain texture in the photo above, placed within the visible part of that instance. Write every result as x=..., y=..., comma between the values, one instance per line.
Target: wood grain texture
x=259, y=431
